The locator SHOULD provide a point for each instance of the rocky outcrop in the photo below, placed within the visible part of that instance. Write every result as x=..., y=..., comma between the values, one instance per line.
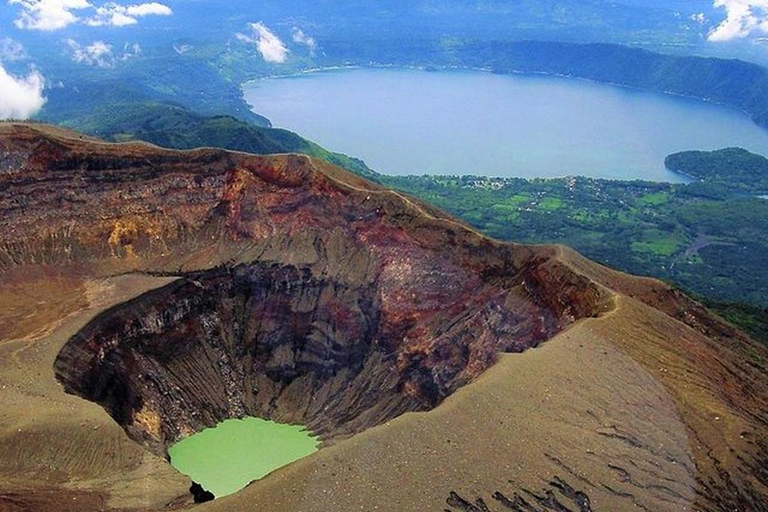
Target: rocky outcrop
x=199, y=494
x=559, y=497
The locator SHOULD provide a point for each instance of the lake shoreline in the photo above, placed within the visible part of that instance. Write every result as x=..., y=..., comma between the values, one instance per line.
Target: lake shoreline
x=613, y=134
x=516, y=72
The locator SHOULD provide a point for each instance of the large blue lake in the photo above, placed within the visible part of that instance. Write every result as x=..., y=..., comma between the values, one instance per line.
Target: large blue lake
x=466, y=122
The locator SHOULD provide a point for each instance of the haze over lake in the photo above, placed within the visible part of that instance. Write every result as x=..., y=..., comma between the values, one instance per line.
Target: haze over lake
x=467, y=122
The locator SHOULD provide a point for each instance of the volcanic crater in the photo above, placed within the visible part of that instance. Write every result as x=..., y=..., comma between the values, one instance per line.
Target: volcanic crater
x=278, y=342
x=179, y=289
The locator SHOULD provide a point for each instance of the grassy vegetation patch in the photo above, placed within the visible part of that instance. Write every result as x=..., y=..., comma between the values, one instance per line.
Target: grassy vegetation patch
x=753, y=319
x=551, y=204
x=660, y=246
x=654, y=199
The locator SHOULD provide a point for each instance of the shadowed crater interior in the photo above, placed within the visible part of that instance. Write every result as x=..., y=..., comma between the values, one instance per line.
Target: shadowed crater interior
x=277, y=342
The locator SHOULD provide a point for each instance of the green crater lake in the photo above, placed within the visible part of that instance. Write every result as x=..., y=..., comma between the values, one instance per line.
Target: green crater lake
x=226, y=458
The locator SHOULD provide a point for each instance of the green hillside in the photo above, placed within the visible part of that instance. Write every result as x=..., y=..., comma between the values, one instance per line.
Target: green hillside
x=173, y=126
x=733, y=168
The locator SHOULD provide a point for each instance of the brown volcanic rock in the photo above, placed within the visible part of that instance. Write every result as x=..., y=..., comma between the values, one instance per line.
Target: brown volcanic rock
x=308, y=294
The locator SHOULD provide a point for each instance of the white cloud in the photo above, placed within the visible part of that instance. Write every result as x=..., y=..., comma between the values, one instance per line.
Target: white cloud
x=148, y=9
x=131, y=51
x=114, y=18
x=97, y=54
x=118, y=15
x=11, y=50
x=699, y=18
x=48, y=14
x=300, y=37
x=269, y=45
x=58, y=14
x=181, y=49
x=743, y=19
x=22, y=96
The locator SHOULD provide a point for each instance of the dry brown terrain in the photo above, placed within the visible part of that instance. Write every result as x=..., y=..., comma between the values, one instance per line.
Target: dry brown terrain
x=444, y=370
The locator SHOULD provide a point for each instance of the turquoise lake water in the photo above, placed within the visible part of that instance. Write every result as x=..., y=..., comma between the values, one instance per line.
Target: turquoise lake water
x=226, y=458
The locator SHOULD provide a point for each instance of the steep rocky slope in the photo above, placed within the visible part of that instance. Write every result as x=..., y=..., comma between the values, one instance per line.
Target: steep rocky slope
x=296, y=291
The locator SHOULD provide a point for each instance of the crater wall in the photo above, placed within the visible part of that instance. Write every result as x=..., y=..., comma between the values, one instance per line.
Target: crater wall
x=280, y=342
